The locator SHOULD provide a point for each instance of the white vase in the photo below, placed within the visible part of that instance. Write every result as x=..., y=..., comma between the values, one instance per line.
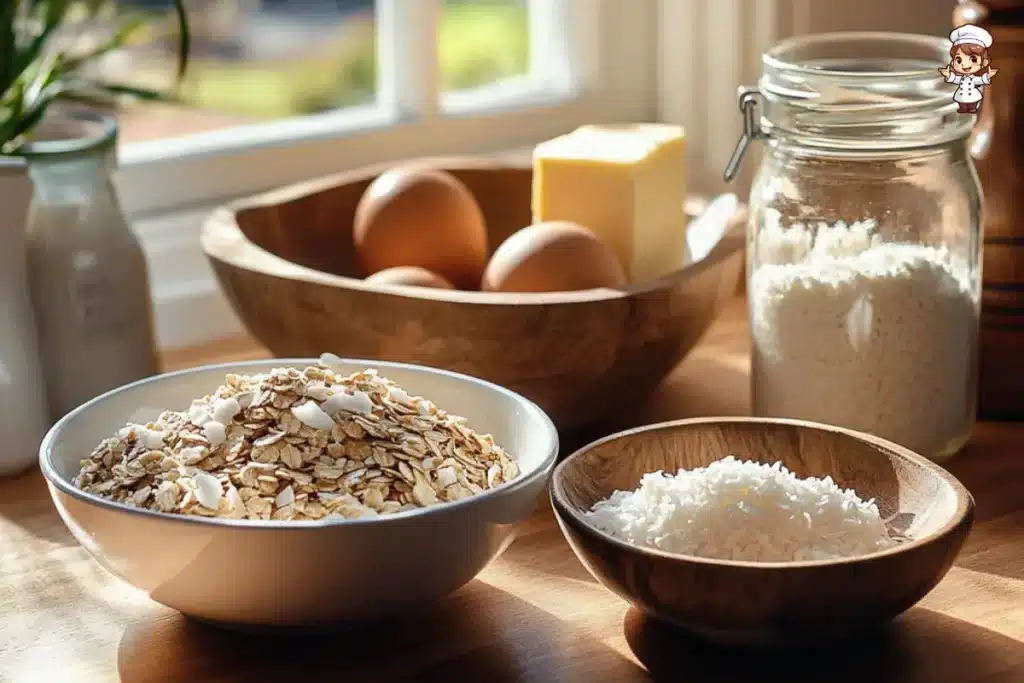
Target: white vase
x=24, y=415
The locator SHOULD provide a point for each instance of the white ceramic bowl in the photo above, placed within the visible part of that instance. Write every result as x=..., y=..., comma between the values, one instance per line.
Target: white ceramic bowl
x=258, y=573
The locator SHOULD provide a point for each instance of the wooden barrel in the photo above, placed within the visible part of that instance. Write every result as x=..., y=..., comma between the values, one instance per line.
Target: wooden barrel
x=997, y=145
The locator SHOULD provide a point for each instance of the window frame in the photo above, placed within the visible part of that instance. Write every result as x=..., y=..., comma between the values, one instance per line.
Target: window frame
x=603, y=74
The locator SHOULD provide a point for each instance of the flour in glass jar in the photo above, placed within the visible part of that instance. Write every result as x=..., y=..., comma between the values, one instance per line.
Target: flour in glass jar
x=853, y=331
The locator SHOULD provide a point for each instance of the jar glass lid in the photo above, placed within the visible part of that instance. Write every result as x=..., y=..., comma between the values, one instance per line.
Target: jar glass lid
x=857, y=70
x=865, y=92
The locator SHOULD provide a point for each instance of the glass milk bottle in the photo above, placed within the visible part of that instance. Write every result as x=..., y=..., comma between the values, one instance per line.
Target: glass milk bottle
x=88, y=274
x=863, y=263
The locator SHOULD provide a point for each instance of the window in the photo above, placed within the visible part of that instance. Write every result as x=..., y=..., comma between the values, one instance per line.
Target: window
x=252, y=61
x=272, y=59
x=282, y=91
x=280, y=95
x=482, y=43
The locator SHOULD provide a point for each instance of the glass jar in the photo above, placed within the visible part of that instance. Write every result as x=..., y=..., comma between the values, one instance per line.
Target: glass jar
x=87, y=271
x=864, y=244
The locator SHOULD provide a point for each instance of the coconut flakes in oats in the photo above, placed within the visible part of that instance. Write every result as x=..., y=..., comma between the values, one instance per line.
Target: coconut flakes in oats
x=297, y=445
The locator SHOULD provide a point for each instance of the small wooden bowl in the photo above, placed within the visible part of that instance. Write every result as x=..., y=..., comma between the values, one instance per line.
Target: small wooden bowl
x=769, y=604
x=286, y=263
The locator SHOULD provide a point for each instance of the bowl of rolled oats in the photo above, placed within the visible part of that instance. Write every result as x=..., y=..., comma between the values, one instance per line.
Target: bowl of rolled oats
x=299, y=492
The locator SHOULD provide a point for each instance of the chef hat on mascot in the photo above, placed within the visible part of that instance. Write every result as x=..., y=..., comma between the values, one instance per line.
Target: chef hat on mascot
x=971, y=34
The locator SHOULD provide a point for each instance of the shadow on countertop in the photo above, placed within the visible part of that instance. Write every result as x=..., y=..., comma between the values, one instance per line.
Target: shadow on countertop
x=922, y=646
x=479, y=634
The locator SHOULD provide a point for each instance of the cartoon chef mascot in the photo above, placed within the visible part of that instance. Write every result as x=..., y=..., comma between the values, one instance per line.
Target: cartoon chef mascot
x=969, y=66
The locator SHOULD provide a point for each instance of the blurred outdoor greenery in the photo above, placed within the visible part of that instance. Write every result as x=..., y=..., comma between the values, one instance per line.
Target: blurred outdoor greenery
x=480, y=42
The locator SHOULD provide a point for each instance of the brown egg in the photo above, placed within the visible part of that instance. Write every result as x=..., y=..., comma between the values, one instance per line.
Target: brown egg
x=425, y=218
x=557, y=256
x=412, y=276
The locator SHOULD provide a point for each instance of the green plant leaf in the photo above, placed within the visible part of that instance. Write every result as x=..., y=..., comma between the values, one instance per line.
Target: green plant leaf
x=184, y=37
x=54, y=12
x=33, y=74
x=30, y=117
x=8, y=44
x=134, y=92
x=45, y=74
x=14, y=103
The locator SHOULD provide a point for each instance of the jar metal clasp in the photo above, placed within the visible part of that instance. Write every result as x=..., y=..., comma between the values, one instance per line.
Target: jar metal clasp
x=748, y=98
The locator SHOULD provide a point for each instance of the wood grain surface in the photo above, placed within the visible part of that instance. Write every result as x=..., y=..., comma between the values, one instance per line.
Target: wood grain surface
x=536, y=614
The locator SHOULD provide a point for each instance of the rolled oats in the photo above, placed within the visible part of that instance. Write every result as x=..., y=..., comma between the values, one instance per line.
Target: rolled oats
x=297, y=445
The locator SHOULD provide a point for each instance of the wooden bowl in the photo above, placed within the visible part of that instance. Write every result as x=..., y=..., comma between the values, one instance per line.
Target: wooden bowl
x=769, y=604
x=286, y=263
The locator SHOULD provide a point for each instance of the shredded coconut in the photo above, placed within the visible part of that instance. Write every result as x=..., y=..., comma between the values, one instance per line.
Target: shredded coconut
x=873, y=336
x=749, y=511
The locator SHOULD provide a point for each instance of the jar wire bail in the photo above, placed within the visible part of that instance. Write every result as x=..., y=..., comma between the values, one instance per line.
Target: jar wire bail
x=748, y=97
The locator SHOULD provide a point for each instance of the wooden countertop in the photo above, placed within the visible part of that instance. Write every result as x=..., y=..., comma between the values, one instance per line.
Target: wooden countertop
x=534, y=615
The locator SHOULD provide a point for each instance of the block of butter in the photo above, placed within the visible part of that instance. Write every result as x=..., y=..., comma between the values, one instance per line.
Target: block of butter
x=627, y=183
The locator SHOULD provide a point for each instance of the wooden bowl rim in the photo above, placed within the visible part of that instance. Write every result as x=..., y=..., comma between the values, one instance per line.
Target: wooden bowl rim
x=223, y=240
x=964, y=513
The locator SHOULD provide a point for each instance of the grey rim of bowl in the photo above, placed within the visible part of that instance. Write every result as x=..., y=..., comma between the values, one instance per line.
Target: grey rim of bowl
x=70, y=489
x=562, y=507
